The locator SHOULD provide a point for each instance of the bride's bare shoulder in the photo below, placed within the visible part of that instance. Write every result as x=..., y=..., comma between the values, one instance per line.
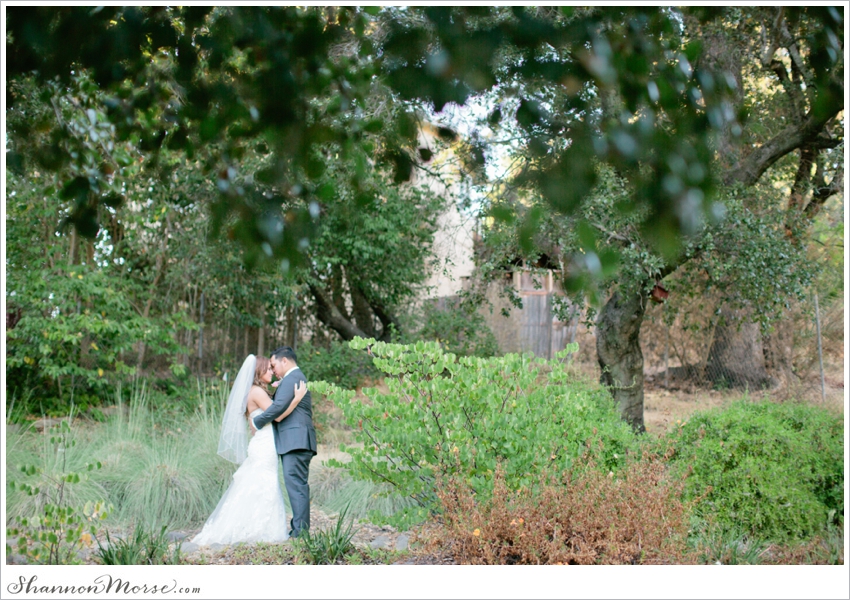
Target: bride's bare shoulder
x=258, y=397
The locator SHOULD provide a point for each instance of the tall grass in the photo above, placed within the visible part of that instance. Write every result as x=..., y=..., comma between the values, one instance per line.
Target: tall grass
x=28, y=447
x=15, y=411
x=335, y=491
x=160, y=466
x=163, y=472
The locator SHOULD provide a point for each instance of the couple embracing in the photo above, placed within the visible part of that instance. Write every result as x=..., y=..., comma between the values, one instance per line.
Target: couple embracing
x=252, y=509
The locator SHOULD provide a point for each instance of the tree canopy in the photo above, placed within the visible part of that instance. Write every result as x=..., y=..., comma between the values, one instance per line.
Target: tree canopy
x=219, y=81
x=631, y=133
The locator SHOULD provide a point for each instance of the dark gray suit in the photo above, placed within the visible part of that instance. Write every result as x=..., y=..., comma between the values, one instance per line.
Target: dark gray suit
x=295, y=440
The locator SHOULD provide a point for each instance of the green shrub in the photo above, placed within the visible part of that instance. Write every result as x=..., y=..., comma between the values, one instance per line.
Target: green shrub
x=458, y=329
x=462, y=416
x=772, y=471
x=71, y=354
x=337, y=363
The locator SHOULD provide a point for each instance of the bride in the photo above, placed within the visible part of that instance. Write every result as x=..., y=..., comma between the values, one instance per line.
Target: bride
x=252, y=508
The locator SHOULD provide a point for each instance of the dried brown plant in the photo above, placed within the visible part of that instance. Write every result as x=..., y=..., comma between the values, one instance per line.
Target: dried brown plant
x=583, y=517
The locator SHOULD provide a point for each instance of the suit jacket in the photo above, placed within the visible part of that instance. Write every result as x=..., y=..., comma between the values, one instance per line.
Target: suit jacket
x=296, y=431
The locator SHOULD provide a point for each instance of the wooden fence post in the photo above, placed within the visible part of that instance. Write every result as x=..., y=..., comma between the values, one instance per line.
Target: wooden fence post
x=201, y=336
x=820, y=351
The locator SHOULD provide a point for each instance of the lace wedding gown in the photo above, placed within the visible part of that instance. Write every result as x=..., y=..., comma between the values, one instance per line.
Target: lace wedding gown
x=252, y=508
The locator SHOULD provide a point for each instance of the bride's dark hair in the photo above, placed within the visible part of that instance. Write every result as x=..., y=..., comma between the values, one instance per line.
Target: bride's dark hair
x=262, y=367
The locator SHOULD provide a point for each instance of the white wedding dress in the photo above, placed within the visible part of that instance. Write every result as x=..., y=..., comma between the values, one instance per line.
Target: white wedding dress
x=252, y=508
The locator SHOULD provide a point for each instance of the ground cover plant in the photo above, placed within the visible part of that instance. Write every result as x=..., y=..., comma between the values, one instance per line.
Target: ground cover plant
x=772, y=471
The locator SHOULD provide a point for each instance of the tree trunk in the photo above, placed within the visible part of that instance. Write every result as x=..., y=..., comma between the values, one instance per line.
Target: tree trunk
x=75, y=247
x=389, y=323
x=619, y=353
x=361, y=311
x=161, y=265
x=261, y=341
x=289, y=338
x=338, y=292
x=779, y=353
x=736, y=356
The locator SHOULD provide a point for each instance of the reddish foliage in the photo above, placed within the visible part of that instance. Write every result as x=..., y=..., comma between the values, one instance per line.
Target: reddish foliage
x=584, y=517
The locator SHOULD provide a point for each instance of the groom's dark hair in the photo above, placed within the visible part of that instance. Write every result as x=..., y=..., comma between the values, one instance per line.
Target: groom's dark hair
x=285, y=352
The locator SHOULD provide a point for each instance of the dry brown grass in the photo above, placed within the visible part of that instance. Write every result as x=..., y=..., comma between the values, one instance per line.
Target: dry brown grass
x=583, y=517
x=823, y=550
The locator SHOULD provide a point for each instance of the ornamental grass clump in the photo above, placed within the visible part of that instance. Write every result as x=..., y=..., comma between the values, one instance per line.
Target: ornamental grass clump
x=169, y=476
x=583, y=517
x=142, y=547
x=327, y=546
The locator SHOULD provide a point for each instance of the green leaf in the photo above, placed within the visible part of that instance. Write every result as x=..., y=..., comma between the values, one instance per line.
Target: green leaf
x=76, y=188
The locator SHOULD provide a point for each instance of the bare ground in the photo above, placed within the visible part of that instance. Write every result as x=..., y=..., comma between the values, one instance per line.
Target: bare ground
x=663, y=408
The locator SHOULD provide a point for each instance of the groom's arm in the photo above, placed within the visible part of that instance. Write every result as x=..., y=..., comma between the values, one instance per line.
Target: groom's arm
x=283, y=397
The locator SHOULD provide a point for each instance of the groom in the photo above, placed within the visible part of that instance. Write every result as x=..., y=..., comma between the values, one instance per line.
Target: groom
x=294, y=436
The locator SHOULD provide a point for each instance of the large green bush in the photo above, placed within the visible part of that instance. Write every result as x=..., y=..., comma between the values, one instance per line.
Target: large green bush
x=463, y=416
x=337, y=363
x=772, y=470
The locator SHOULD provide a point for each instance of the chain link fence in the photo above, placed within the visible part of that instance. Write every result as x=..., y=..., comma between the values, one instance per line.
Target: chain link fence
x=692, y=349
x=802, y=356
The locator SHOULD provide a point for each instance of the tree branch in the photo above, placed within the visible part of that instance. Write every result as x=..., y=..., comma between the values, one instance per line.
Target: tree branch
x=791, y=89
x=361, y=310
x=613, y=236
x=824, y=191
x=329, y=314
x=767, y=55
x=751, y=168
x=386, y=318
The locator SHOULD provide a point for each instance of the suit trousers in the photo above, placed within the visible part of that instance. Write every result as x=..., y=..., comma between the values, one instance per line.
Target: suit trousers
x=296, y=472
